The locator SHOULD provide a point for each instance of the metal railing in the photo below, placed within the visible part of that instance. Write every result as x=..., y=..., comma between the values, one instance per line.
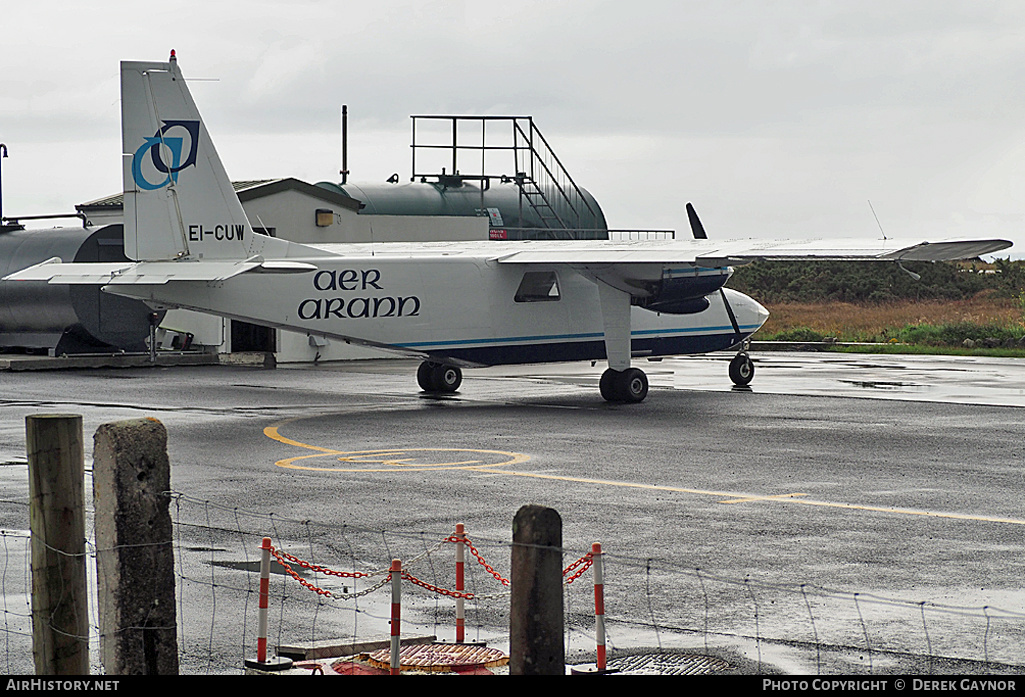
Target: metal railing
x=522, y=233
x=544, y=184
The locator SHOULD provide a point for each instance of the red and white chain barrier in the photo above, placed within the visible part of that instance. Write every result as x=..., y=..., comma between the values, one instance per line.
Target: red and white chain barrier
x=396, y=574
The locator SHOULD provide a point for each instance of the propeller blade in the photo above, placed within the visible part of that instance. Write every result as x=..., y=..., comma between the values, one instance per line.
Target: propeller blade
x=695, y=224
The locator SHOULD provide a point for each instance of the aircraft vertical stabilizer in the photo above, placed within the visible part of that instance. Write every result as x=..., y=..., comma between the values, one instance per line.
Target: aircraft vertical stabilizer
x=168, y=159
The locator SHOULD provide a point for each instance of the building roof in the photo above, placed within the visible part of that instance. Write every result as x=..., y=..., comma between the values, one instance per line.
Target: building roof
x=247, y=190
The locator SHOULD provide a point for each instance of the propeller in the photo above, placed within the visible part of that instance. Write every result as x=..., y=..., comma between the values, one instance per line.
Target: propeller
x=699, y=234
x=695, y=223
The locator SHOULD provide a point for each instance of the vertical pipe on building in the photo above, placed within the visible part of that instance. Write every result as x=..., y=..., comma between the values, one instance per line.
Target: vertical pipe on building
x=455, y=146
x=345, y=144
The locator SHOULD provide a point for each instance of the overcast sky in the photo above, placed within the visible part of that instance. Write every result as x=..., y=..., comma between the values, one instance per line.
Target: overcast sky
x=777, y=119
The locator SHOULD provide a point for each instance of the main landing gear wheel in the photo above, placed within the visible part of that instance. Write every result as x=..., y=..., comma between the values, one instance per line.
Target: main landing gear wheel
x=438, y=377
x=630, y=385
x=742, y=370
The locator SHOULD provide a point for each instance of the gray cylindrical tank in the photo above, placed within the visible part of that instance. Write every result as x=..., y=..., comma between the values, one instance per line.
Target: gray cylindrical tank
x=460, y=198
x=79, y=317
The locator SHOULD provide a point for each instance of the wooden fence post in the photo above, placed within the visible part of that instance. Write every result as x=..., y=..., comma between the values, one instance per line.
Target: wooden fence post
x=60, y=608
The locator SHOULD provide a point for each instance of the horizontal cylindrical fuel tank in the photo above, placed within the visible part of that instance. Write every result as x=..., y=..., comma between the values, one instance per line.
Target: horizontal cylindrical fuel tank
x=61, y=317
x=467, y=197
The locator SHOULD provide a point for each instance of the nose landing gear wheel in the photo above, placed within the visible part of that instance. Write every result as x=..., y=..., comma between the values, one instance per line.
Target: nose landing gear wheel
x=438, y=377
x=630, y=385
x=742, y=370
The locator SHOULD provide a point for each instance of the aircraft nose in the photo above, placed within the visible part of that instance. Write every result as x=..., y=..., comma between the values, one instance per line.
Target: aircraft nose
x=749, y=312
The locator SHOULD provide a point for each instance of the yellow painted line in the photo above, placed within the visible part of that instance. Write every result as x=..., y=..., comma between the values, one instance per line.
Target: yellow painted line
x=272, y=433
x=746, y=499
x=786, y=498
x=727, y=497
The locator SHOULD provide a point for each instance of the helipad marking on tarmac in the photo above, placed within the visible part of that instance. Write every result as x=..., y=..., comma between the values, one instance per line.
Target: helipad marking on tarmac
x=408, y=459
x=390, y=457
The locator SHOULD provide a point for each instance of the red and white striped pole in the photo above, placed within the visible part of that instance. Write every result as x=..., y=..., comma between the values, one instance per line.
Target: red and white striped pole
x=396, y=612
x=261, y=636
x=460, y=583
x=599, y=604
x=261, y=662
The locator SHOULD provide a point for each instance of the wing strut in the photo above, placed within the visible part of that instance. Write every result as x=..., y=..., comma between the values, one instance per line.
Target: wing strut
x=620, y=382
x=615, y=316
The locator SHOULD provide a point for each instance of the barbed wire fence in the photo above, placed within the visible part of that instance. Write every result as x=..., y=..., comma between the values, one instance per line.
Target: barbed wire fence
x=15, y=584
x=651, y=604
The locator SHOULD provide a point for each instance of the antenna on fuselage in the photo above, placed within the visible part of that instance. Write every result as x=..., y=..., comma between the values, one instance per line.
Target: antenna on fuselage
x=877, y=219
x=913, y=275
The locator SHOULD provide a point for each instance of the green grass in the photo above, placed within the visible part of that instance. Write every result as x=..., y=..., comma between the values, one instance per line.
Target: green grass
x=946, y=335
x=931, y=350
x=919, y=338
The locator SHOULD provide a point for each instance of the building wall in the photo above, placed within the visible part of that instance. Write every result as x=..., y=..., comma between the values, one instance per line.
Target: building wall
x=293, y=215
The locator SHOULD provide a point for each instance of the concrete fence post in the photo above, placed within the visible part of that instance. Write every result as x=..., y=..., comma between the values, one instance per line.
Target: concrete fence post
x=134, y=556
x=60, y=608
x=536, y=614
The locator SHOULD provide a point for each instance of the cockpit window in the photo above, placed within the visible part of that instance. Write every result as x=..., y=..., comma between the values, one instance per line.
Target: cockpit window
x=537, y=287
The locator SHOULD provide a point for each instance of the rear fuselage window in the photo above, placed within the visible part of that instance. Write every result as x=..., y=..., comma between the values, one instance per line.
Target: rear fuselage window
x=538, y=287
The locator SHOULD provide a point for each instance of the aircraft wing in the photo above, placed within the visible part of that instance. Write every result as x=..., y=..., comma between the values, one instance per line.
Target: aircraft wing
x=677, y=276
x=738, y=252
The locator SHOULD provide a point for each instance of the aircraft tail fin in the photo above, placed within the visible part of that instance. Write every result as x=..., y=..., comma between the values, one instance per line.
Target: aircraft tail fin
x=178, y=200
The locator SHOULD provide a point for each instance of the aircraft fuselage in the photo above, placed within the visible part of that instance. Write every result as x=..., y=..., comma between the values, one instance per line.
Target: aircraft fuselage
x=464, y=309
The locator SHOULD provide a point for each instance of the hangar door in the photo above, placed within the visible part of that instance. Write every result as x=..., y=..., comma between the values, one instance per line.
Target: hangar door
x=246, y=336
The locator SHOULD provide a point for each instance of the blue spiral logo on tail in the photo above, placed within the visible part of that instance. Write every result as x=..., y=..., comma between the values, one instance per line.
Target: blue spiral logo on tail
x=169, y=141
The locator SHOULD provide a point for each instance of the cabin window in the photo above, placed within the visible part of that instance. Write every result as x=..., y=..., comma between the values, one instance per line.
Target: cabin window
x=538, y=287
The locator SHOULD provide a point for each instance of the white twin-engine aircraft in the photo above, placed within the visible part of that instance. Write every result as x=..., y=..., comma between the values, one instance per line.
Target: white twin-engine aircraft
x=453, y=304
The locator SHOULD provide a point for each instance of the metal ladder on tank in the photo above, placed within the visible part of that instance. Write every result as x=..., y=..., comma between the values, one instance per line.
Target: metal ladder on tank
x=544, y=184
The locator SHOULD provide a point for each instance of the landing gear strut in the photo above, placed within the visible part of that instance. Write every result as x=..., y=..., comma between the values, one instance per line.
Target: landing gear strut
x=438, y=377
x=630, y=385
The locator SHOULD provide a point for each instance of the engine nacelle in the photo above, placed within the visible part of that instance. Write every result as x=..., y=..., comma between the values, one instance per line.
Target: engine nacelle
x=684, y=291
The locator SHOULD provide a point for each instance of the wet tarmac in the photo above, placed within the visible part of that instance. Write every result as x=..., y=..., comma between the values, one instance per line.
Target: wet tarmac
x=846, y=514
x=946, y=379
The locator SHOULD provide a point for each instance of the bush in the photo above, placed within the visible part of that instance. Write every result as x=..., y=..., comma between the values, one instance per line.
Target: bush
x=953, y=334
x=795, y=334
x=787, y=282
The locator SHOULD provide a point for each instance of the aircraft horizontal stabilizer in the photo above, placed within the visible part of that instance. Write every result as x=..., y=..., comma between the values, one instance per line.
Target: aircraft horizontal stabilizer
x=152, y=273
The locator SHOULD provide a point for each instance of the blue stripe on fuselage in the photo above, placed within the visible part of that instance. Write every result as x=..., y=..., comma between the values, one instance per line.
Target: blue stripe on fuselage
x=578, y=347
